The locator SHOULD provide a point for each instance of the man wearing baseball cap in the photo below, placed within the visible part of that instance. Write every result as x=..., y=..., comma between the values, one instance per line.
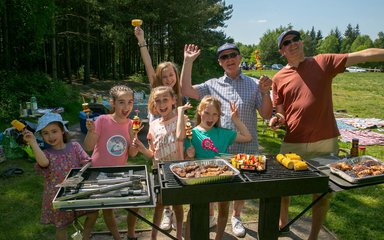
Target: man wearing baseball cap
x=250, y=95
x=302, y=94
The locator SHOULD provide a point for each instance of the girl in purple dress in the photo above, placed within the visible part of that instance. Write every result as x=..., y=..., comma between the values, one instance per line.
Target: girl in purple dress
x=54, y=163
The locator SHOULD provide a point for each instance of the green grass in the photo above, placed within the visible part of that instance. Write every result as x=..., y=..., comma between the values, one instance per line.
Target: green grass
x=351, y=212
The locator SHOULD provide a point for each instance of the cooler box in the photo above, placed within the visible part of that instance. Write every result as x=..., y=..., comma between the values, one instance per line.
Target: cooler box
x=83, y=118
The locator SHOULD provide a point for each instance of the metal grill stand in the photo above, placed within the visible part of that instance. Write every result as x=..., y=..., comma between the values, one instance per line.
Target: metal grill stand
x=269, y=186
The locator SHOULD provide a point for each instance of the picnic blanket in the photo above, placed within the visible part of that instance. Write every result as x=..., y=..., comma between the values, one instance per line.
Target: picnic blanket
x=366, y=137
x=361, y=123
x=360, y=128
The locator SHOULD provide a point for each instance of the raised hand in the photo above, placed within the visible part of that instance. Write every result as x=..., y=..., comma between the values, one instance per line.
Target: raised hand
x=139, y=33
x=234, y=112
x=90, y=124
x=29, y=137
x=185, y=107
x=191, y=52
x=265, y=84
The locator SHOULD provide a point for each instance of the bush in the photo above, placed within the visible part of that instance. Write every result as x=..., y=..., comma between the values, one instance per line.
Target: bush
x=17, y=88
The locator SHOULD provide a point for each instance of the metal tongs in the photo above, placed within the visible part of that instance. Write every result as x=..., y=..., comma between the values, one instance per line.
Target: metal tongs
x=136, y=184
x=75, y=180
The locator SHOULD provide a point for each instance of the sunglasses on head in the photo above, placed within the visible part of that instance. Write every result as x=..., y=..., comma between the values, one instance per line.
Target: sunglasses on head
x=294, y=39
x=229, y=55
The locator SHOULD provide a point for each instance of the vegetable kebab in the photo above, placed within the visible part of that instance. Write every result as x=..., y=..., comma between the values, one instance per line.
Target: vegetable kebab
x=86, y=109
x=136, y=123
x=188, y=131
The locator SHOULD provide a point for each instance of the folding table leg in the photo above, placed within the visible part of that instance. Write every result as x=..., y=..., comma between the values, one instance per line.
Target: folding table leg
x=286, y=227
x=151, y=224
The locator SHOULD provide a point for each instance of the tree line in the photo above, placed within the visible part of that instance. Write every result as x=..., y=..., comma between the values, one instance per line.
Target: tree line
x=70, y=39
x=314, y=43
x=95, y=37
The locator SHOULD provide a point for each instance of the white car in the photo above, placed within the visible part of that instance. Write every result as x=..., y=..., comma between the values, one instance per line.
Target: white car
x=355, y=69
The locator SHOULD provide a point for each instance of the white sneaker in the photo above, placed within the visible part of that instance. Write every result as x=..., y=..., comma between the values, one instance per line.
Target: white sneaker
x=212, y=221
x=166, y=223
x=237, y=227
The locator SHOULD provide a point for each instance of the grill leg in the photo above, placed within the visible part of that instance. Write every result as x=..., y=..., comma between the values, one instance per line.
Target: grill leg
x=199, y=221
x=151, y=224
x=269, y=212
x=286, y=227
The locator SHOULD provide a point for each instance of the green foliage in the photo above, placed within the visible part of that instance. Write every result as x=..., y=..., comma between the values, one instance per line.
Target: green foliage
x=311, y=41
x=361, y=43
x=379, y=42
x=247, y=52
x=269, y=51
x=330, y=44
x=17, y=88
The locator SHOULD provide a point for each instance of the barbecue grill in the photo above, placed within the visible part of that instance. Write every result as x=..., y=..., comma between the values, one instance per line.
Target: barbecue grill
x=268, y=186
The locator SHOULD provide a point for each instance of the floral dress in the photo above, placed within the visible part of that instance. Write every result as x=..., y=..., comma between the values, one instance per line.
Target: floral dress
x=60, y=163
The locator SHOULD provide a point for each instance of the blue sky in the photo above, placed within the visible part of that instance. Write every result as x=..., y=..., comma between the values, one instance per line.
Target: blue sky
x=252, y=18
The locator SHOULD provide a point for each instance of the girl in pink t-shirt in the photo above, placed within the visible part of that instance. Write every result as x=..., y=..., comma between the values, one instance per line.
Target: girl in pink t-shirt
x=110, y=139
x=164, y=144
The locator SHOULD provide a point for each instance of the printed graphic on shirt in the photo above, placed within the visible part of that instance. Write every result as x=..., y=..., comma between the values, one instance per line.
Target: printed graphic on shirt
x=116, y=145
x=165, y=140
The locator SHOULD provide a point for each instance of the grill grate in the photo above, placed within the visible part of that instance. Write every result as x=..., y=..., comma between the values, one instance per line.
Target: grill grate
x=277, y=171
x=274, y=171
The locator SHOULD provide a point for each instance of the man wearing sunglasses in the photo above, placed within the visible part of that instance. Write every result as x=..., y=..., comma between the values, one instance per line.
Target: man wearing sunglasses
x=302, y=94
x=250, y=95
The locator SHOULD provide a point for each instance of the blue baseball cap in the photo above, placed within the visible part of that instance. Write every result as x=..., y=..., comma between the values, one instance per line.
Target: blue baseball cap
x=50, y=118
x=227, y=46
x=283, y=34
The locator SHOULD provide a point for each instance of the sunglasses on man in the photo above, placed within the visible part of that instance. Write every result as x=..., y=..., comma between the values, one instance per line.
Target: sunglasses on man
x=229, y=55
x=294, y=39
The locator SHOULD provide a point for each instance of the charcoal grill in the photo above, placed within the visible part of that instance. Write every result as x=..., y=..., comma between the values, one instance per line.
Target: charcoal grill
x=269, y=186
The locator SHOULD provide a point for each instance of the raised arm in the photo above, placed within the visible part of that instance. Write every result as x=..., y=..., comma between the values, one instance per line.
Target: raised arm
x=367, y=55
x=139, y=33
x=91, y=138
x=191, y=52
x=243, y=134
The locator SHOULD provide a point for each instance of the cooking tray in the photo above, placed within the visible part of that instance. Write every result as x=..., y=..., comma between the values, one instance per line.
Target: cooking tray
x=101, y=178
x=350, y=175
x=205, y=179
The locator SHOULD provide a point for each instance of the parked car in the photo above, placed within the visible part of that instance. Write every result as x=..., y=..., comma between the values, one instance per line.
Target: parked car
x=277, y=66
x=267, y=67
x=355, y=69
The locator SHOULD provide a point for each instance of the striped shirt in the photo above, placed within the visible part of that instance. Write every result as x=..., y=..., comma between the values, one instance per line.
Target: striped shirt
x=244, y=91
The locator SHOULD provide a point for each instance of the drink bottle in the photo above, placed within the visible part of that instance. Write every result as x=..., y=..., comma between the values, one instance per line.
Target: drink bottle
x=33, y=105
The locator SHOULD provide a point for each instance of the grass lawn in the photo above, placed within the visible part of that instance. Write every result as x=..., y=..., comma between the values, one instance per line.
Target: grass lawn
x=354, y=214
